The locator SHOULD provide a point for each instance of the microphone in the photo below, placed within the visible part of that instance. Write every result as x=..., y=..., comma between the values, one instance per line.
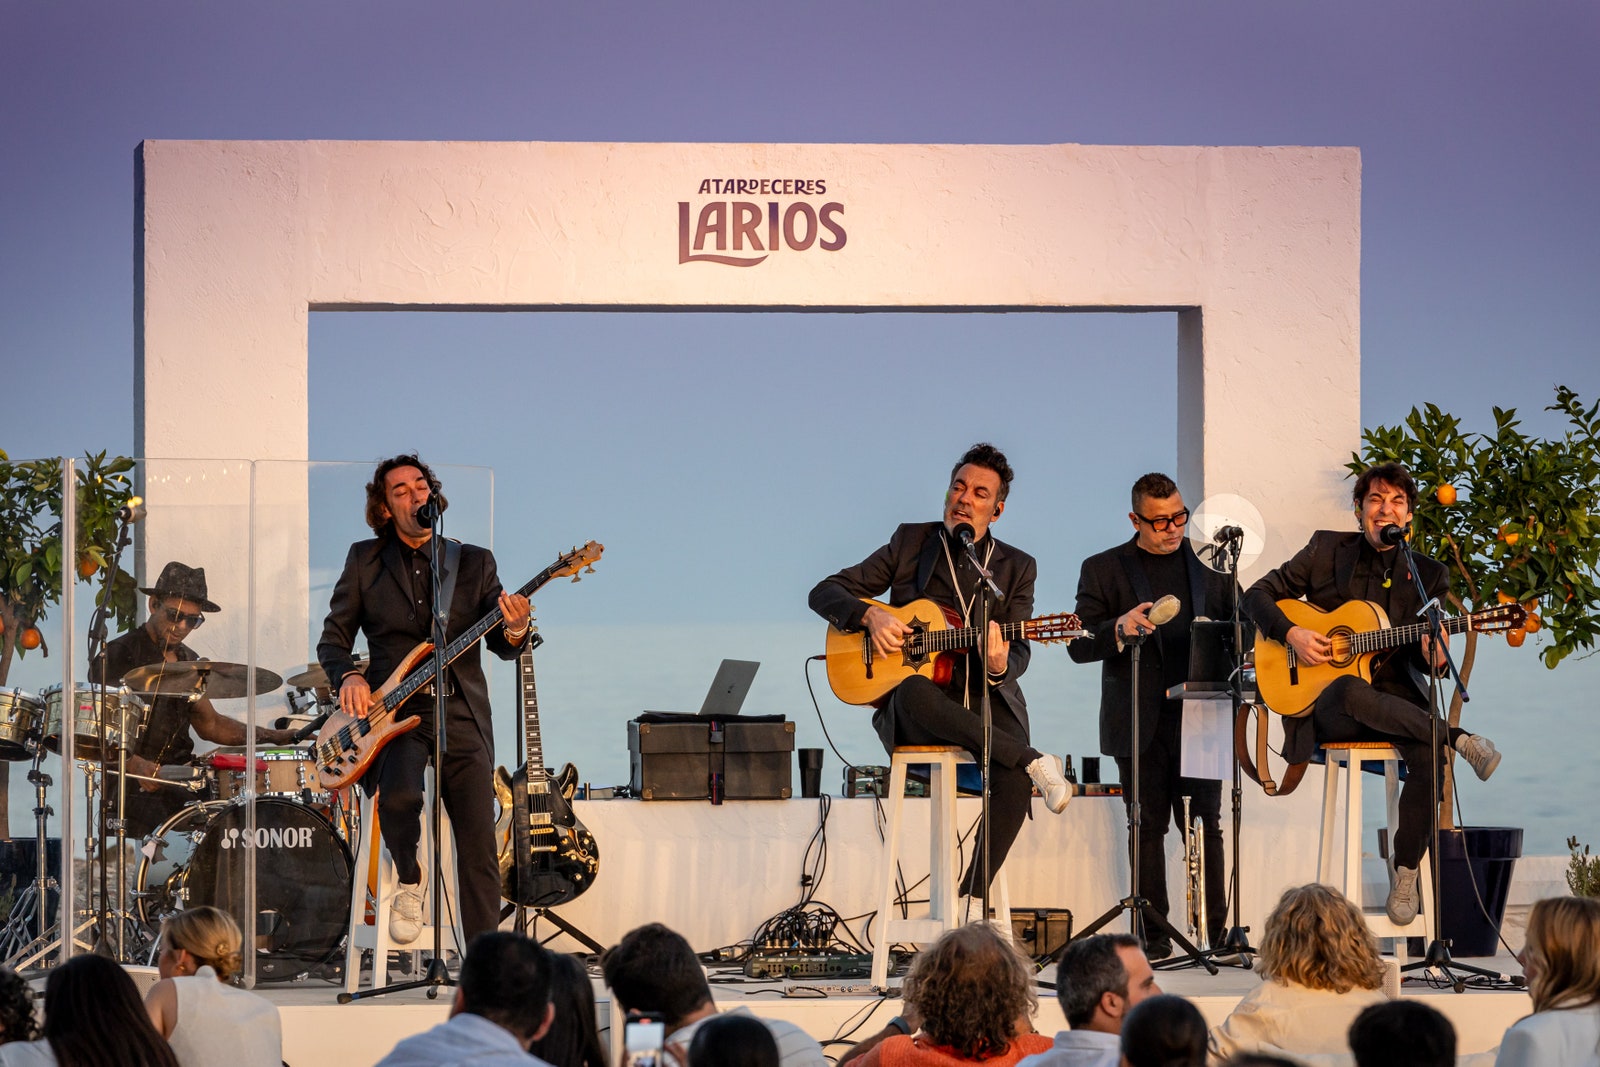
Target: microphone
x=428, y=513
x=132, y=511
x=1391, y=534
x=1163, y=611
x=964, y=532
x=1227, y=533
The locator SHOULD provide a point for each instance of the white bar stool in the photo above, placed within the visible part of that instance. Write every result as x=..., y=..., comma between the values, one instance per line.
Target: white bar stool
x=943, y=857
x=374, y=884
x=1344, y=759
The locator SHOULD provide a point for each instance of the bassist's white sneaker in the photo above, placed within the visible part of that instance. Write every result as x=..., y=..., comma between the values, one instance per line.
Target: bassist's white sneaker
x=405, y=912
x=1052, y=784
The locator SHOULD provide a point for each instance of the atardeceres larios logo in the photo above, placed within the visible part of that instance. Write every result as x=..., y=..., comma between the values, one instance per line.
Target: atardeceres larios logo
x=722, y=226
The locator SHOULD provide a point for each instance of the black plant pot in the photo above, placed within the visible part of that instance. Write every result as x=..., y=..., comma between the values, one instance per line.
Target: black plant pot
x=1475, y=856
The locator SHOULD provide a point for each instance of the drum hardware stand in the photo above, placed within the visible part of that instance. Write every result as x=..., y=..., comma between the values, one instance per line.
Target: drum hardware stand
x=39, y=891
x=1140, y=910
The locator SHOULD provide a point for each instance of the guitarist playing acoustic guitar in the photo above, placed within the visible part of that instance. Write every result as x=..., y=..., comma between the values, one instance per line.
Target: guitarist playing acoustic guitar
x=926, y=560
x=1336, y=568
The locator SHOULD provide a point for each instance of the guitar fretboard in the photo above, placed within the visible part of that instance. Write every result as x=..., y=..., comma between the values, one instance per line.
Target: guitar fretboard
x=965, y=637
x=1375, y=640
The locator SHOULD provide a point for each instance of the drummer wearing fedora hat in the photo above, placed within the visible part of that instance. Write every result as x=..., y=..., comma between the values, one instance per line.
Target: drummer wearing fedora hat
x=178, y=606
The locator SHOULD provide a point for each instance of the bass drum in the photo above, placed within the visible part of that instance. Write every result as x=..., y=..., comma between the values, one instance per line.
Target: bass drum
x=303, y=878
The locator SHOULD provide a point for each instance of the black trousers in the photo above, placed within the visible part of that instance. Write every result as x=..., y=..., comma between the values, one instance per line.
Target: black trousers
x=919, y=713
x=467, y=788
x=1351, y=709
x=1162, y=788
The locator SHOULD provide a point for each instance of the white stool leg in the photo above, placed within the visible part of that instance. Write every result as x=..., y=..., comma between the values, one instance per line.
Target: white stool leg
x=359, y=936
x=1330, y=800
x=1352, y=828
x=891, y=857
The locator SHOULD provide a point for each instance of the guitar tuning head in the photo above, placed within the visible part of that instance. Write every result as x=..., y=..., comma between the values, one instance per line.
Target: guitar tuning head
x=577, y=576
x=589, y=569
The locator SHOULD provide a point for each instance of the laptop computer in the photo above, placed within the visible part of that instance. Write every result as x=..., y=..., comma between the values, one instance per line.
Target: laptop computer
x=729, y=688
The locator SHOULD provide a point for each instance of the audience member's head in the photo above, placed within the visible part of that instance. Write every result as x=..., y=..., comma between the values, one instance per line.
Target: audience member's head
x=653, y=969
x=1561, y=956
x=1099, y=978
x=1259, y=1059
x=93, y=1016
x=1164, y=1031
x=505, y=978
x=1402, y=1033
x=970, y=987
x=1316, y=938
x=733, y=1041
x=200, y=937
x=16, y=1009
x=572, y=1040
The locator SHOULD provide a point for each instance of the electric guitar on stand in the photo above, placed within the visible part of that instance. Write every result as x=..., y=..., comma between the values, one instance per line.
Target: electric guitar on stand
x=858, y=676
x=1359, y=630
x=547, y=857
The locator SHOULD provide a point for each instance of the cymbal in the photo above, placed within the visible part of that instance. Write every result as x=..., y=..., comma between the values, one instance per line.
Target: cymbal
x=199, y=677
x=314, y=677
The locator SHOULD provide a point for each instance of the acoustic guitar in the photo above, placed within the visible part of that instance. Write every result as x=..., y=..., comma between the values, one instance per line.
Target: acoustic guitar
x=347, y=745
x=547, y=857
x=857, y=675
x=1360, y=631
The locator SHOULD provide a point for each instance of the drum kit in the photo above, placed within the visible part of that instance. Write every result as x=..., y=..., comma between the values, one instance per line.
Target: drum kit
x=302, y=835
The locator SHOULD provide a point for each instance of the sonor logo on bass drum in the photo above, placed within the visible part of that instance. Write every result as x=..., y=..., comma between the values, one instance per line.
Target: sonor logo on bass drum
x=276, y=837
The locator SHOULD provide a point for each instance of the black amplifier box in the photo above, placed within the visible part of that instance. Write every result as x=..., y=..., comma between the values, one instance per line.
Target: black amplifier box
x=690, y=757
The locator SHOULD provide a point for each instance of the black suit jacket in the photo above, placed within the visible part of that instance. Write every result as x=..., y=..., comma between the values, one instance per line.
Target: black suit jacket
x=902, y=568
x=1110, y=584
x=1322, y=573
x=373, y=595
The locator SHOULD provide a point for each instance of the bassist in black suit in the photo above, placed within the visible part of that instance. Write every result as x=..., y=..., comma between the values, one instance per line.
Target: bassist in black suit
x=1339, y=567
x=386, y=592
x=925, y=560
x=1115, y=590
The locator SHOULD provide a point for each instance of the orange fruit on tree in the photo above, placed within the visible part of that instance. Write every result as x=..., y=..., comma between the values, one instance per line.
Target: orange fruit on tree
x=1514, y=638
x=1445, y=494
x=87, y=566
x=1534, y=623
x=30, y=638
x=1505, y=597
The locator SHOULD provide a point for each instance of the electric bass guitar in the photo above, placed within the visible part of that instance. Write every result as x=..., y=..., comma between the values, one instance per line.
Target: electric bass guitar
x=547, y=857
x=347, y=745
x=857, y=675
x=1360, y=631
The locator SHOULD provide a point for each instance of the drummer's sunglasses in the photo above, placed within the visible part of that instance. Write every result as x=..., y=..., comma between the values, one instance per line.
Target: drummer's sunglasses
x=174, y=615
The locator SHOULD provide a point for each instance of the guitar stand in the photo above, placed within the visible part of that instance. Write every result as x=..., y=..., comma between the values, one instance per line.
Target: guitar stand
x=528, y=923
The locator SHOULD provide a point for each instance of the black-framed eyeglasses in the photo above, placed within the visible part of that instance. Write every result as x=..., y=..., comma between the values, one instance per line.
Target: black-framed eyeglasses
x=1162, y=522
x=194, y=621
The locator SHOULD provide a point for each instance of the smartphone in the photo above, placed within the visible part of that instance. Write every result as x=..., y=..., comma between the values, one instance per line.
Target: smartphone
x=642, y=1039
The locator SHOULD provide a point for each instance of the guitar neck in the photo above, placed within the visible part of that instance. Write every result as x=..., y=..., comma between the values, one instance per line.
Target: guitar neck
x=960, y=637
x=424, y=673
x=1394, y=636
x=532, y=745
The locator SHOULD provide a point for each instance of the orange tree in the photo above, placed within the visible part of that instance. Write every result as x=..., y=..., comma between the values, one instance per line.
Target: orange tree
x=32, y=556
x=1515, y=517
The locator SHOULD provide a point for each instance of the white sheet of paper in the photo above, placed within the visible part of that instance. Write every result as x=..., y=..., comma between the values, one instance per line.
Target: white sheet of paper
x=1208, y=739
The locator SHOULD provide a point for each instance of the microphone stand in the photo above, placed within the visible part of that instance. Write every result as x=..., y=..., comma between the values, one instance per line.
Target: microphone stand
x=438, y=975
x=1140, y=910
x=111, y=817
x=986, y=589
x=1437, y=957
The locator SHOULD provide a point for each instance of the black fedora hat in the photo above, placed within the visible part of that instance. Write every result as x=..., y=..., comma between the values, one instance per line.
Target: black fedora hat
x=181, y=581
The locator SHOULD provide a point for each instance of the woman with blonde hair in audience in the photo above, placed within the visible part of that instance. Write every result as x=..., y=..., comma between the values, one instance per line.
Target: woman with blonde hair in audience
x=1320, y=966
x=974, y=994
x=1561, y=959
x=206, y=1020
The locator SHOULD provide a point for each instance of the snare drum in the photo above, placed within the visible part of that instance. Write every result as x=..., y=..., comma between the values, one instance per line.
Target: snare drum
x=119, y=709
x=20, y=715
x=288, y=773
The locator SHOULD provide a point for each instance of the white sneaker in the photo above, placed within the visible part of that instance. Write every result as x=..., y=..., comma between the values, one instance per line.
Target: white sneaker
x=1405, y=899
x=1051, y=783
x=1480, y=754
x=405, y=912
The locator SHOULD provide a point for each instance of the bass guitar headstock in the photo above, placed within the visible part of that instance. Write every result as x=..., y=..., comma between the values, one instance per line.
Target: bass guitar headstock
x=578, y=559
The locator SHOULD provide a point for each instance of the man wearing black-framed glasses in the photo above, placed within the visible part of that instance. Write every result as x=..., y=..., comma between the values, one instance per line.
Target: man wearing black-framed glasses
x=1116, y=589
x=178, y=606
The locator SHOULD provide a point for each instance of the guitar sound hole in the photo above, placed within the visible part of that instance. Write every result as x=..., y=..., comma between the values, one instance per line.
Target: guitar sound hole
x=1343, y=654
